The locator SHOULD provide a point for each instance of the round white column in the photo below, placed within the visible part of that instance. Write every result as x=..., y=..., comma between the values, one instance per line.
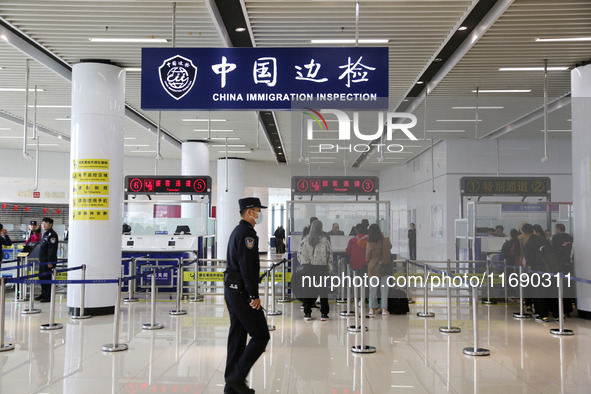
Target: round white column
x=228, y=211
x=194, y=161
x=581, y=157
x=96, y=166
x=194, y=158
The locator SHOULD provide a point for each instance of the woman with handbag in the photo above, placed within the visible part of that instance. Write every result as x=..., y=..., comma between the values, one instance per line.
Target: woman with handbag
x=379, y=262
x=315, y=256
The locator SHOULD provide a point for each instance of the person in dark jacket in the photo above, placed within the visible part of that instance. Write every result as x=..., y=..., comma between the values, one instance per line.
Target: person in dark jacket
x=4, y=241
x=241, y=293
x=280, y=239
x=47, y=254
x=412, y=242
x=535, y=240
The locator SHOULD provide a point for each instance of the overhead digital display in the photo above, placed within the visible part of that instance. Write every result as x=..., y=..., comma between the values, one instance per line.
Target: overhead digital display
x=167, y=184
x=331, y=185
x=505, y=186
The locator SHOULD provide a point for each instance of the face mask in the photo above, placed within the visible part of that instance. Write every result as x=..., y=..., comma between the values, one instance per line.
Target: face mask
x=259, y=219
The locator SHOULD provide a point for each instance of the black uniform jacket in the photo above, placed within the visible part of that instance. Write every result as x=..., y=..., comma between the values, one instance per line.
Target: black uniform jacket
x=48, y=247
x=243, y=256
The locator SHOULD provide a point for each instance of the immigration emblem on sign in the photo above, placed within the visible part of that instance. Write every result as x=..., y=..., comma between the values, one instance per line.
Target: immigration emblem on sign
x=177, y=76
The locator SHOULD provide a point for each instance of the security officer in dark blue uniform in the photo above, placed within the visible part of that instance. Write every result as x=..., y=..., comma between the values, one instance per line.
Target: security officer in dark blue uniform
x=47, y=254
x=241, y=292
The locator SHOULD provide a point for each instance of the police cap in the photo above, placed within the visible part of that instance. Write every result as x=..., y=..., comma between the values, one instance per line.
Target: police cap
x=250, y=202
x=33, y=222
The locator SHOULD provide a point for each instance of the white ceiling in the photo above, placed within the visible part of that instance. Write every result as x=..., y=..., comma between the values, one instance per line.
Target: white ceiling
x=417, y=30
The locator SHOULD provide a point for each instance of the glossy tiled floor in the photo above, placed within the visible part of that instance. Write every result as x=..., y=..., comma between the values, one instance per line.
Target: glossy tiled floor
x=188, y=355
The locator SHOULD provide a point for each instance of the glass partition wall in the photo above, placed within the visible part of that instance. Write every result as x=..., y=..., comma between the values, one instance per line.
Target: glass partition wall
x=484, y=216
x=344, y=213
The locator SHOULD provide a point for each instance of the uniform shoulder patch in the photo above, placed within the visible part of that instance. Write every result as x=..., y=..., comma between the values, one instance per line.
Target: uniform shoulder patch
x=52, y=240
x=249, y=241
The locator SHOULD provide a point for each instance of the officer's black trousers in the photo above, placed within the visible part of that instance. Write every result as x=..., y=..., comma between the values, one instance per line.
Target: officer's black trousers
x=45, y=274
x=244, y=320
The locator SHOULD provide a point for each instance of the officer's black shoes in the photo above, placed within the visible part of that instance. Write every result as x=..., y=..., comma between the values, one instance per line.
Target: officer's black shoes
x=44, y=300
x=39, y=297
x=239, y=387
x=324, y=317
x=307, y=316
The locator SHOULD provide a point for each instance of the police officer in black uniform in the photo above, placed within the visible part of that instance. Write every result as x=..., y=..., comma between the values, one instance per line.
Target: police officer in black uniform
x=241, y=292
x=47, y=254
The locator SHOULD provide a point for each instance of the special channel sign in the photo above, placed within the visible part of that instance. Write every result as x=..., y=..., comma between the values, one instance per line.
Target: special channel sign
x=263, y=78
x=493, y=186
x=334, y=185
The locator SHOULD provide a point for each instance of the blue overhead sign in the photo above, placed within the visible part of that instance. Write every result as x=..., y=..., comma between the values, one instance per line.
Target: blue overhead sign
x=264, y=78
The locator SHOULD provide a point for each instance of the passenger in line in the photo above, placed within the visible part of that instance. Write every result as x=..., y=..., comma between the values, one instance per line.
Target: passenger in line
x=315, y=251
x=34, y=233
x=280, y=239
x=377, y=253
x=536, y=240
x=4, y=241
x=356, y=254
x=548, y=235
x=412, y=242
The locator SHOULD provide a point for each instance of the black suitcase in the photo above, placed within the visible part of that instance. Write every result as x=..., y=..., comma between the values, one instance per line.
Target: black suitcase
x=397, y=302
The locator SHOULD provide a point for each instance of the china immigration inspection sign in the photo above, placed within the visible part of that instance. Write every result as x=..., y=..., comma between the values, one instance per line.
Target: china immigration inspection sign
x=263, y=78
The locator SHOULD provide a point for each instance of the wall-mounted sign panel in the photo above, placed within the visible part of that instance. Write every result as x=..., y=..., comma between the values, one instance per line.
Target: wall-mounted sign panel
x=264, y=78
x=167, y=185
x=505, y=186
x=334, y=185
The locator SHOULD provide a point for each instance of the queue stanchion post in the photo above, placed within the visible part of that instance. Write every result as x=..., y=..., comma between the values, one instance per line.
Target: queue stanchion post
x=271, y=327
x=116, y=346
x=410, y=300
x=363, y=347
x=153, y=325
x=348, y=312
x=357, y=302
x=341, y=291
x=31, y=309
x=475, y=350
x=285, y=297
x=521, y=314
x=488, y=301
x=81, y=312
x=131, y=283
x=17, y=286
x=273, y=311
x=196, y=296
x=52, y=325
x=3, y=346
x=179, y=290
x=425, y=312
x=449, y=329
x=560, y=330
